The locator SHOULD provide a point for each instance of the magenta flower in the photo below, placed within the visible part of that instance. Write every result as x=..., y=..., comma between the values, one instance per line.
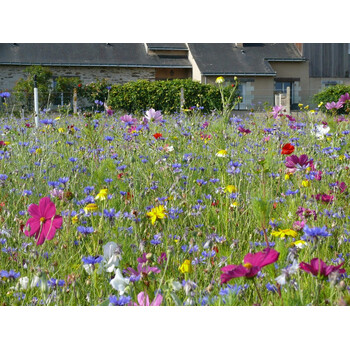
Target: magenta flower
x=142, y=269
x=319, y=268
x=244, y=131
x=325, y=198
x=342, y=186
x=334, y=105
x=276, y=110
x=253, y=263
x=299, y=225
x=44, y=221
x=294, y=163
x=344, y=98
x=143, y=300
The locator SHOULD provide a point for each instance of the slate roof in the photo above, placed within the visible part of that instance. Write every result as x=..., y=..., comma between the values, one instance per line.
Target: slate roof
x=251, y=59
x=172, y=47
x=114, y=55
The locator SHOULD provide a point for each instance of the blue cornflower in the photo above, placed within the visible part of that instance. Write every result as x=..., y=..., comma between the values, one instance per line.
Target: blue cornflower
x=53, y=282
x=271, y=288
x=3, y=177
x=63, y=180
x=314, y=232
x=88, y=189
x=109, y=138
x=122, y=301
x=72, y=159
x=92, y=260
x=85, y=230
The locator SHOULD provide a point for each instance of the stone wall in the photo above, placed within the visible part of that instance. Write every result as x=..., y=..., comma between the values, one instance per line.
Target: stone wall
x=9, y=75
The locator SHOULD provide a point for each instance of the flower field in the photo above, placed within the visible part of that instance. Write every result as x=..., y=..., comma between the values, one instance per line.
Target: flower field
x=182, y=209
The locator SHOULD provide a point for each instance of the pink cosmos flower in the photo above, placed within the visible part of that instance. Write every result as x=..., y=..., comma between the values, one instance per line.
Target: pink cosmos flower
x=44, y=221
x=319, y=268
x=334, y=105
x=294, y=163
x=344, y=98
x=57, y=193
x=152, y=115
x=276, y=110
x=253, y=263
x=128, y=119
x=143, y=300
x=299, y=225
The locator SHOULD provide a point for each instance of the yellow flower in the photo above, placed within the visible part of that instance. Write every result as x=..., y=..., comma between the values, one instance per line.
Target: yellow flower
x=156, y=213
x=234, y=205
x=287, y=176
x=60, y=130
x=306, y=107
x=299, y=244
x=312, y=111
x=102, y=195
x=230, y=189
x=75, y=219
x=305, y=183
x=329, y=139
x=90, y=208
x=219, y=80
x=222, y=153
x=186, y=267
x=7, y=143
x=58, y=118
x=320, y=104
x=38, y=151
x=300, y=105
x=282, y=233
x=341, y=157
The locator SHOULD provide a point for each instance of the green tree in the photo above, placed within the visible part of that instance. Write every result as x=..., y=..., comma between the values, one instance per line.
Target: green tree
x=24, y=88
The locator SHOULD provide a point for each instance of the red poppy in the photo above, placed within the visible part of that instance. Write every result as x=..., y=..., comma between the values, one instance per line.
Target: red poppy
x=120, y=175
x=287, y=149
x=157, y=135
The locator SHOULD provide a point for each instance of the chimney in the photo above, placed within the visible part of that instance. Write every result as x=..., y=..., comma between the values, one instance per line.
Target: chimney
x=300, y=48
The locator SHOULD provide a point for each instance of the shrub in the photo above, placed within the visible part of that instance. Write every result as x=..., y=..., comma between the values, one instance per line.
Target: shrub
x=330, y=94
x=164, y=95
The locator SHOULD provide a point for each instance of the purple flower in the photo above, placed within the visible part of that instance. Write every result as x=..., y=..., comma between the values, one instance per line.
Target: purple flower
x=276, y=110
x=344, y=98
x=319, y=268
x=152, y=115
x=333, y=105
x=294, y=163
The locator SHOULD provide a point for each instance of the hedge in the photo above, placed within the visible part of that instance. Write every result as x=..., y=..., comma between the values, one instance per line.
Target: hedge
x=164, y=95
x=331, y=94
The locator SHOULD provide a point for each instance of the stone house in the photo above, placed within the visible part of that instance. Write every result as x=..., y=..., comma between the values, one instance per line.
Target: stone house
x=262, y=69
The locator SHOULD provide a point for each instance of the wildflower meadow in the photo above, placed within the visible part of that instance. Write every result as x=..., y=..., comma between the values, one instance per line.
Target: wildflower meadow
x=182, y=209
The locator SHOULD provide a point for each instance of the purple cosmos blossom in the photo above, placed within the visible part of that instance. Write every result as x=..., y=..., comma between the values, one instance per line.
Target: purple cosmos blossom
x=294, y=163
x=344, y=98
x=334, y=105
x=276, y=110
x=319, y=268
x=141, y=270
x=128, y=119
x=253, y=263
x=243, y=131
x=152, y=115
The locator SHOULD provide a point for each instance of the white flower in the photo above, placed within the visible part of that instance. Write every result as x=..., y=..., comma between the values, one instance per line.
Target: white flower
x=176, y=285
x=320, y=131
x=23, y=282
x=289, y=270
x=111, y=257
x=119, y=283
